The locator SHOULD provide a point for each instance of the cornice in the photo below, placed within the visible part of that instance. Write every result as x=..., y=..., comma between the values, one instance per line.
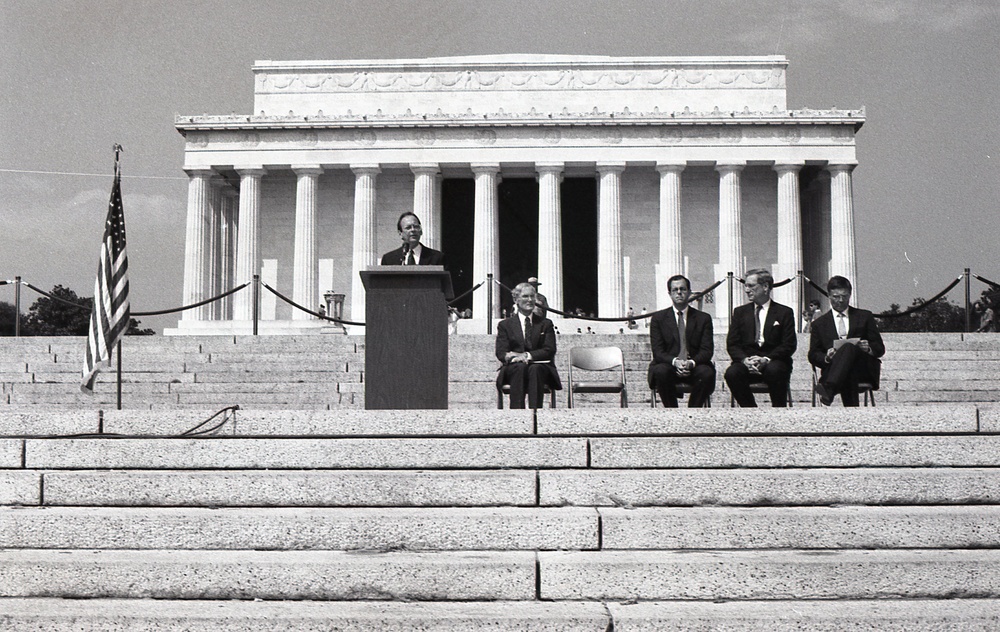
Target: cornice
x=855, y=118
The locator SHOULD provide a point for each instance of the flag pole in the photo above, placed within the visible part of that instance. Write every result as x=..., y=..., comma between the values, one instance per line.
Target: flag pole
x=119, y=374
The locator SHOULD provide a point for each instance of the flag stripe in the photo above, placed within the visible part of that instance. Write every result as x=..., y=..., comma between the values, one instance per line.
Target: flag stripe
x=110, y=318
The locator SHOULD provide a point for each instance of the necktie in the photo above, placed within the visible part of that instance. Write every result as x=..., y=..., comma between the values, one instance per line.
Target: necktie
x=841, y=325
x=756, y=324
x=409, y=258
x=527, y=333
x=681, y=326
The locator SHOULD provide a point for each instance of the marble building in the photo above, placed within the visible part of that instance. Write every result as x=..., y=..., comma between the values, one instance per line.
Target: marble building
x=602, y=176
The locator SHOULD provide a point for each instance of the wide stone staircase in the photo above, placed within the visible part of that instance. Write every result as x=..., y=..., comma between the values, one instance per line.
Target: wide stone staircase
x=603, y=519
x=327, y=372
x=302, y=511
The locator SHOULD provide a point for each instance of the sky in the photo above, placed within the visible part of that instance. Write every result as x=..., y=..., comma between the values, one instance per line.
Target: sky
x=79, y=76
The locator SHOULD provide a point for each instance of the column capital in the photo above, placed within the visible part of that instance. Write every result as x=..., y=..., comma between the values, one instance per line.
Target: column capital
x=478, y=168
x=251, y=170
x=307, y=170
x=671, y=167
x=730, y=167
x=610, y=167
x=784, y=167
x=200, y=172
x=841, y=167
x=425, y=168
x=550, y=167
x=366, y=169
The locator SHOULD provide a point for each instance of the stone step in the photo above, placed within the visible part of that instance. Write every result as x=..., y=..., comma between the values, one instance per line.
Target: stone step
x=942, y=384
x=311, y=453
x=292, y=423
x=716, y=575
x=148, y=615
x=920, y=397
x=158, y=615
x=277, y=377
x=587, y=488
x=268, y=575
x=325, y=386
x=399, y=529
x=643, y=420
x=260, y=488
x=752, y=487
x=514, y=452
x=283, y=364
x=844, y=527
x=883, y=614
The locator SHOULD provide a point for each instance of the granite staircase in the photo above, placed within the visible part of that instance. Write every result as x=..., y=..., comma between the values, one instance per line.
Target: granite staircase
x=597, y=519
x=327, y=372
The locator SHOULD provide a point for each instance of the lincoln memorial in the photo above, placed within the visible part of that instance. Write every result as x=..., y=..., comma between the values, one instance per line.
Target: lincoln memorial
x=602, y=176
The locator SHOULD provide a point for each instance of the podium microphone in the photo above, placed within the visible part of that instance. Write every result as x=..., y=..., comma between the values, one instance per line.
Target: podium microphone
x=406, y=251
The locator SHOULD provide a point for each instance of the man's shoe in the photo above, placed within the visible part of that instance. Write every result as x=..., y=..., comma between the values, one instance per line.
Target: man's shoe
x=825, y=396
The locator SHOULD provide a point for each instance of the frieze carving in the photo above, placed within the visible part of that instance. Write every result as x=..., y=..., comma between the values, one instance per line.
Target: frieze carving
x=250, y=139
x=551, y=136
x=555, y=79
x=364, y=137
x=484, y=136
x=424, y=137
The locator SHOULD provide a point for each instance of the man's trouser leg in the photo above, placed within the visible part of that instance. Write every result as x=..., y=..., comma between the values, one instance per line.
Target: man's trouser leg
x=738, y=380
x=664, y=379
x=515, y=376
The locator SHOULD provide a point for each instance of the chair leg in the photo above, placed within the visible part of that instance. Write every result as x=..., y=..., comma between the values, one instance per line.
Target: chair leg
x=500, y=400
x=552, y=398
x=652, y=398
x=624, y=399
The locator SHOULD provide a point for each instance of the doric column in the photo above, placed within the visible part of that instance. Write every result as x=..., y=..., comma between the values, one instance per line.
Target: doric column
x=730, y=237
x=304, y=290
x=425, y=204
x=550, y=269
x=227, y=262
x=842, y=257
x=671, y=259
x=610, y=265
x=196, y=247
x=246, y=244
x=486, y=236
x=789, y=235
x=215, y=246
x=364, y=234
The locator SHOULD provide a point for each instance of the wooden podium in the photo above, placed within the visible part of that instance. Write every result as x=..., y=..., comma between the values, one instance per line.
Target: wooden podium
x=406, y=336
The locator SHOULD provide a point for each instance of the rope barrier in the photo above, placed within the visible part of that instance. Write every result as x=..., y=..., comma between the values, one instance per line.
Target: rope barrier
x=778, y=284
x=193, y=305
x=924, y=305
x=55, y=298
x=815, y=287
x=466, y=293
x=625, y=319
x=309, y=311
x=988, y=282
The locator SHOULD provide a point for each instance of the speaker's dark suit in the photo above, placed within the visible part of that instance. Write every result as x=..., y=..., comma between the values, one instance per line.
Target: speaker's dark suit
x=849, y=364
x=779, y=345
x=428, y=257
x=664, y=339
x=529, y=378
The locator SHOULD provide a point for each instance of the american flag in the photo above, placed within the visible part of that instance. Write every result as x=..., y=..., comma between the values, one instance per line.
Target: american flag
x=110, y=318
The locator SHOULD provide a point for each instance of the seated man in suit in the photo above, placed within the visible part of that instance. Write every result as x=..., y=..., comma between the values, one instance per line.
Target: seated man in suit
x=526, y=345
x=681, y=356
x=412, y=252
x=761, y=342
x=843, y=364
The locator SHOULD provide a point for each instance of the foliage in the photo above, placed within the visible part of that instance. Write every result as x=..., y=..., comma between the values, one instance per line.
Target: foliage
x=7, y=319
x=53, y=317
x=941, y=316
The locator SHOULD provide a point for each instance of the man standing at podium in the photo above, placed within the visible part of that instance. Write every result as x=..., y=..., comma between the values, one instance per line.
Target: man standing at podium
x=412, y=252
x=526, y=345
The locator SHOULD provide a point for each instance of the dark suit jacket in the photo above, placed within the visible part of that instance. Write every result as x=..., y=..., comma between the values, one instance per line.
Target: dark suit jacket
x=510, y=337
x=779, y=334
x=428, y=257
x=666, y=344
x=860, y=324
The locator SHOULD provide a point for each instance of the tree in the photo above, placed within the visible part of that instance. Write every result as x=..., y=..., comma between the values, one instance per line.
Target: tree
x=7, y=314
x=940, y=316
x=52, y=317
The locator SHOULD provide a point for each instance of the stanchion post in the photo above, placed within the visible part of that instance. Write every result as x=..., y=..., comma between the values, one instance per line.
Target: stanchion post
x=729, y=277
x=256, y=302
x=489, y=304
x=17, y=307
x=119, y=349
x=968, y=301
